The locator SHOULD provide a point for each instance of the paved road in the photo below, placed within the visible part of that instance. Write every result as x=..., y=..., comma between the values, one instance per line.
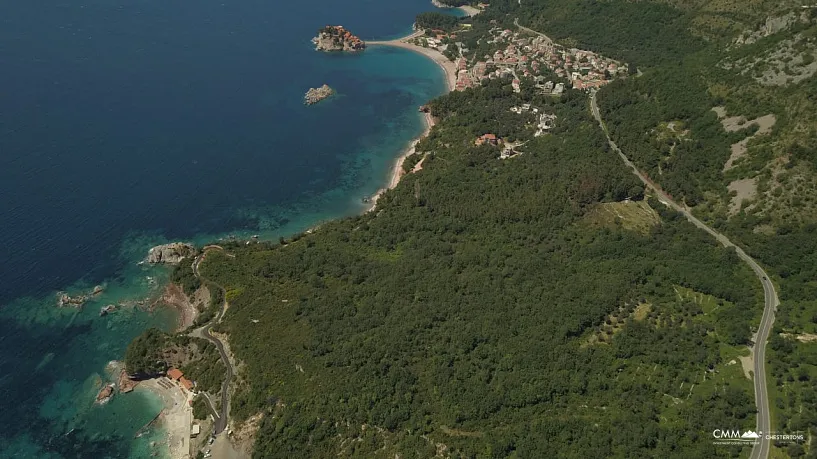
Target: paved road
x=221, y=419
x=525, y=29
x=760, y=450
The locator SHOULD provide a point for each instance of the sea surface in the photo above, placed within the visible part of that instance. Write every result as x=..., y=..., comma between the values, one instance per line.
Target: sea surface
x=128, y=123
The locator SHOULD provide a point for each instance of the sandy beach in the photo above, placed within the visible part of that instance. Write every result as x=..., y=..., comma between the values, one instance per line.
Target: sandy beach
x=397, y=170
x=176, y=417
x=469, y=10
x=450, y=70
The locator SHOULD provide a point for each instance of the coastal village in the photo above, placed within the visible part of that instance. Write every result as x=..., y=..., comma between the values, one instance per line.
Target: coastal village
x=519, y=55
x=526, y=58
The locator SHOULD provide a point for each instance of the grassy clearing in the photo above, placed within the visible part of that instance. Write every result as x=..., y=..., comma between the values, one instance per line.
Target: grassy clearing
x=631, y=215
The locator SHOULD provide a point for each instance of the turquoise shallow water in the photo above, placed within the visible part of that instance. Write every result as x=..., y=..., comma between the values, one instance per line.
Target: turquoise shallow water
x=124, y=124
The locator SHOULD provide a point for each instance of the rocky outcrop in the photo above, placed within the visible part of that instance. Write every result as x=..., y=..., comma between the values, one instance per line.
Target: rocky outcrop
x=315, y=95
x=772, y=26
x=105, y=394
x=66, y=300
x=126, y=384
x=170, y=253
x=336, y=38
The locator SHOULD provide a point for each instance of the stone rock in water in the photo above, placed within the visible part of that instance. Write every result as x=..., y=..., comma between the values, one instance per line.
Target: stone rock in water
x=170, y=253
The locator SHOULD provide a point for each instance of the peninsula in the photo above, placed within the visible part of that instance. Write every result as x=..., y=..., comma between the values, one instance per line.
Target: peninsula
x=337, y=38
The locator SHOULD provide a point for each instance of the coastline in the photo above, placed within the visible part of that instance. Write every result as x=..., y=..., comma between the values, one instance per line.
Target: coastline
x=469, y=10
x=450, y=71
x=186, y=306
x=397, y=170
x=175, y=418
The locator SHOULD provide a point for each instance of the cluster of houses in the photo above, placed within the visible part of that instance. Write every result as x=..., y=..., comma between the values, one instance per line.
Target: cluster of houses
x=545, y=121
x=345, y=36
x=520, y=56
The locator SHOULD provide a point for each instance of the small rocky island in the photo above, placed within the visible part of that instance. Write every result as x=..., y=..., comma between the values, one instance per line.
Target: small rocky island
x=315, y=95
x=77, y=301
x=336, y=38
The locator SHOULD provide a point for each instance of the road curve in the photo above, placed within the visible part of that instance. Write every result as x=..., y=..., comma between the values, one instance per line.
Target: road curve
x=525, y=29
x=220, y=421
x=760, y=449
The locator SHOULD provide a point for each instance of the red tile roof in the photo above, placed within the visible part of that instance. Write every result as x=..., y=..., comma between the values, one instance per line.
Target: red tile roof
x=174, y=373
x=186, y=383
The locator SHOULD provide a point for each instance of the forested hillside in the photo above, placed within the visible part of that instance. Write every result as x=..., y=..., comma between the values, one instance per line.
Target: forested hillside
x=526, y=299
x=488, y=308
x=725, y=120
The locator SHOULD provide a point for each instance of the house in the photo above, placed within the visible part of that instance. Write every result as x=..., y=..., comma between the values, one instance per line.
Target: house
x=515, y=84
x=186, y=383
x=175, y=374
x=487, y=139
x=195, y=431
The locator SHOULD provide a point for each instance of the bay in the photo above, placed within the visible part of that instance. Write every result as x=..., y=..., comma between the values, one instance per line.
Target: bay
x=125, y=124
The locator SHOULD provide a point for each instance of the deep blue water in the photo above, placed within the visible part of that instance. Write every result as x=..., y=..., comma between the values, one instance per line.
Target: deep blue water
x=128, y=123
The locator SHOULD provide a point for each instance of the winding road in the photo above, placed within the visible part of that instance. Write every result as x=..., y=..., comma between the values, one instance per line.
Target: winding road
x=220, y=419
x=761, y=449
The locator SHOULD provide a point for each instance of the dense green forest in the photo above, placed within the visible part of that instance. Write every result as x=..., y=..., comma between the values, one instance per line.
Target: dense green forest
x=663, y=120
x=154, y=352
x=479, y=310
x=665, y=123
x=454, y=3
x=542, y=305
x=642, y=33
x=435, y=20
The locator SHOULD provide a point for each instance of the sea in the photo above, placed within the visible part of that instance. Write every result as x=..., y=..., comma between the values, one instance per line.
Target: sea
x=129, y=123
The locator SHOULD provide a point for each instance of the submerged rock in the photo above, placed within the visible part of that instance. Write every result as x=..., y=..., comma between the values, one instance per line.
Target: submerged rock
x=170, y=253
x=64, y=300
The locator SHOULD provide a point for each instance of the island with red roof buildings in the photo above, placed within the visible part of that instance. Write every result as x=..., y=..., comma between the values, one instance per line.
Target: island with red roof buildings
x=337, y=38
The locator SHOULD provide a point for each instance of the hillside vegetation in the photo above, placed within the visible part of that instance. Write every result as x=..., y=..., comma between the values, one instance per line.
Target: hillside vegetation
x=541, y=305
x=757, y=183
x=455, y=319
